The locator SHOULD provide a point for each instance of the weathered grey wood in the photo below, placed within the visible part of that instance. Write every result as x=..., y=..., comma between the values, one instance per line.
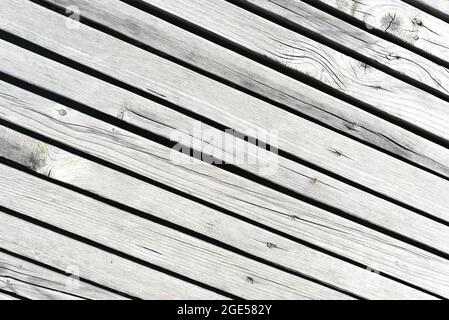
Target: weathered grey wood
x=173, y=125
x=315, y=144
x=99, y=266
x=31, y=281
x=40, y=163
x=359, y=41
x=264, y=81
x=439, y=5
x=401, y=20
x=298, y=52
x=85, y=174
x=5, y=297
x=152, y=242
x=214, y=185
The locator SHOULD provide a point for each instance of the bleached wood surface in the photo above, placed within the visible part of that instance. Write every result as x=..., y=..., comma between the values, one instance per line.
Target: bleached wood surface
x=152, y=242
x=300, y=53
x=401, y=20
x=171, y=124
x=242, y=226
x=93, y=264
x=359, y=41
x=439, y=5
x=306, y=140
x=31, y=281
x=7, y=297
x=216, y=186
x=100, y=180
x=262, y=80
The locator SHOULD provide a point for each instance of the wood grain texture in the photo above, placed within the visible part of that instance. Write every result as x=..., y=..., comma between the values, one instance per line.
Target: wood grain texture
x=401, y=20
x=151, y=242
x=96, y=265
x=68, y=168
x=176, y=126
x=383, y=92
x=315, y=144
x=264, y=81
x=440, y=5
x=218, y=187
x=7, y=297
x=359, y=41
x=31, y=281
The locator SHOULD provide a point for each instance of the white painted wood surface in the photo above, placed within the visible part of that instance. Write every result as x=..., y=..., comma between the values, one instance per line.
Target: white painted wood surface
x=359, y=41
x=87, y=175
x=316, y=144
x=216, y=186
x=31, y=281
x=151, y=242
x=401, y=20
x=257, y=78
x=300, y=53
x=94, y=264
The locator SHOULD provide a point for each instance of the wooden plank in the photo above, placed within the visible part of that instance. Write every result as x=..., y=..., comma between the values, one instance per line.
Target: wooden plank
x=264, y=81
x=439, y=5
x=96, y=265
x=174, y=125
x=383, y=92
x=7, y=297
x=244, y=197
x=68, y=168
x=152, y=242
x=320, y=146
x=31, y=281
x=401, y=20
x=359, y=41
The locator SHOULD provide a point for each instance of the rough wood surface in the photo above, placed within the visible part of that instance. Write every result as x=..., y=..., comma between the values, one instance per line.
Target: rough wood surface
x=171, y=124
x=176, y=126
x=383, y=92
x=6, y=297
x=440, y=5
x=235, y=206
x=315, y=144
x=221, y=188
x=264, y=81
x=84, y=174
x=96, y=265
x=401, y=20
x=31, y=281
x=359, y=41
x=152, y=242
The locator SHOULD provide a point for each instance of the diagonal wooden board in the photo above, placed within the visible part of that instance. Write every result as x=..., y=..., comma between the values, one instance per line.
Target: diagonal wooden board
x=244, y=197
x=32, y=281
x=7, y=297
x=441, y=6
x=84, y=174
x=358, y=41
x=401, y=20
x=170, y=124
x=320, y=146
x=381, y=91
x=237, y=69
x=93, y=264
x=152, y=242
